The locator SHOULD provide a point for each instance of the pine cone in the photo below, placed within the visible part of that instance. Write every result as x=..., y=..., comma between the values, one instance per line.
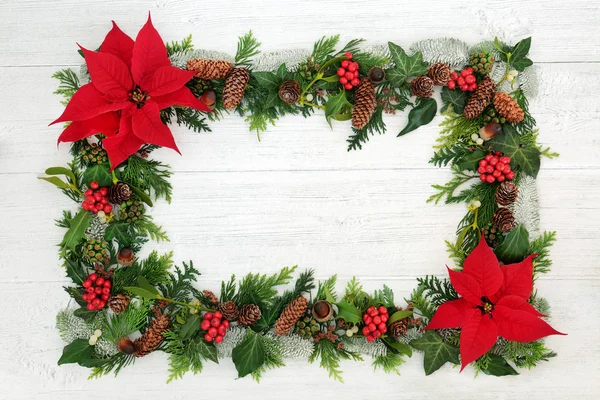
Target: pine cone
x=480, y=99
x=119, y=193
x=209, y=69
x=364, y=104
x=289, y=92
x=504, y=219
x=422, y=86
x=398, y=328
x=290, y=315
x=235, y=86
x=439, y=73
x=118, y=302
x=508, y=107
x=249, y=314
x=153, y=336
x=210, y=297
x=506, y=193
x=229, y=310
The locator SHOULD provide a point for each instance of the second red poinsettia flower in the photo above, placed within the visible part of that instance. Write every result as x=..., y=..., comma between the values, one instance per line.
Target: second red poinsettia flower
x=130, y=83
x=493, y=302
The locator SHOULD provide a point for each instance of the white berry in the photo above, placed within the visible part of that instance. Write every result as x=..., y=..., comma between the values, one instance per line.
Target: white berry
x=474, y=137
x=479, y=141
x=355, y=328
x=309, y=97
x=349, y=333
x=477, y=203
x=93, y=340
x=101, y=214
x=98, y=332
x=514, y=73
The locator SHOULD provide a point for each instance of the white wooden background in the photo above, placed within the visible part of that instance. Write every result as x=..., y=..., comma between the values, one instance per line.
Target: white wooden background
x=298, y=197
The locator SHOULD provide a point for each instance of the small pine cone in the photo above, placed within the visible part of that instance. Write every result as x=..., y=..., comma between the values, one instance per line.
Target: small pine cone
x=290, y=315
x=504, y=219
x=506, y=193
x=422, y=86
x=229, y=310
x=364, y=103
x=398, y=328
x=439, y=73
x=119, y=193
x=209, y=69
x=118, y=303
x=508, y=107
x=249, y=314
x=480, y=99
x=210, y=297
x=235, y=86
x=289, y=92
x=153, y=336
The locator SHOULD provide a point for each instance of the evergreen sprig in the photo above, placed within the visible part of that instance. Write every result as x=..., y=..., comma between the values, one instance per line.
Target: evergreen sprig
x=69, y=84
x=330, y=356
x=176, y=47
x=246, y=49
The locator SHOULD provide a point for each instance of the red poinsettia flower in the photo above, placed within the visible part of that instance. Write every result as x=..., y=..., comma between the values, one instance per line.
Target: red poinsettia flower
x=130, y=83
x=493, y=302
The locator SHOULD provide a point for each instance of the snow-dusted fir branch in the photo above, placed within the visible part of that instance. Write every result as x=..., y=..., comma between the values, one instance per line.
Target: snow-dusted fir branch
x=526, y=209
x=271, y=61
x=451, y=51
x=71, y=327
x=411, y=334
x=528, y=80
x=234, y=336
x=293, y=346
x=360, y=345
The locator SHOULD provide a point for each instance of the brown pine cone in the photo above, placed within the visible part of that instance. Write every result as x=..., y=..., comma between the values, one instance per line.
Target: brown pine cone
x=119, y=193
x=508, y=107
x=249, y=314
x=290, y=315
x=235, y=86
x=506, y=193
x=118, y=303
x=439, y=73
x=289, y=92
x=229, y=310
x=504, y=219
x=210, y=297
x=422, y=86
x=153, y=336
x=398, y=328
x=480, y=99
x=209, y=69
x=364, y=103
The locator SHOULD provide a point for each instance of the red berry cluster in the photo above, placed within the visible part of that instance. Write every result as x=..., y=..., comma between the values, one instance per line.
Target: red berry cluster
x=348, y=72
x=495, y=167
x=215, y=326
x=96, y=200
x=465, y=80
x=375, y=319
x=97, y=292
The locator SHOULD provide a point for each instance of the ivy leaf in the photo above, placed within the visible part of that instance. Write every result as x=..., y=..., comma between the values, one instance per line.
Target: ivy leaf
x=398, y=315
x=271, y=100
x=520, y=50
x=521, y=64
x=207, y=350
x=515, y=246
x=249, y=355
x=77, y=351
x=399, y=347
x=348, y=312
x=334, y=105
x=267, y=80
x=404, y=65
x=143, y=293
x=191, y=326
x=281, y=72
x=456, y=98
x=498, y=366
x=77, y=227
x=98, y=173
x=119, y=231
x=526, y=157
x=76, y=271
x=437, y=352
x=56, y=181
x=471, y=160
x=420, y=115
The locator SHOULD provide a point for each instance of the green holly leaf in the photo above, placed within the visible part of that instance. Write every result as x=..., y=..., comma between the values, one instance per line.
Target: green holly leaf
x=76, y=271
x=515, y=246
x=524, y=156
x=437, y=352
x=422, y=114
x=119, y=231
x=334, y=105
x=85, y=314
x=98, y=173
x=498, y=366
x=456, y=98
x=348, y=312
x=77, y=227
x=267, y=80
x=404, y=65
x=249, y=355
x=77, y=351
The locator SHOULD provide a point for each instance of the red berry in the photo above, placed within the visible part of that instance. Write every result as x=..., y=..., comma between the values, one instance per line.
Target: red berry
x=451, y=85
x=97, y=196
x=212, y=332
x=85, y=206
x=489, y=169
x=500, y=166
x=88, y=193
x=372, y=327
x=94, y=185
x=377, y=320
x=356, y=74
x=384, y=317
x=100, y=281
x=208, y=316
x=105, y=296
x=343, y=80
x=370, y=309
x=493, y=160
x=488, y=157
x=355, y=82
x=84, y=297
x=93, y=277
x=98, y=290
x=367, y=319
x=510, y=175
x=483, y=163
x=104, y=191
x=384, y=329
x=501, y=178
x=345, y=63
x=490, y=179
x=507, y=169
x=349, y=75
x=464, y=87
x=469, y=71
x=481, y=170
x=226, y=324
x=470, y=79
x=104, y=200
x=219, y=339
x=381, y=327
x=376, y=334
x=341, y=72
x=96, y=302
x=366, y=331
x=374, y=313
x=454, y=75
x=482, y=177
x=90, y=307
x=87, y=283
x=348, y=86
x=221, y=330
x=472, y=86
x=105, y=290
x=460, y=81
x=208, y=338
x=352, y=67
x=215, y=322
x=505, y=160
x=382, y=310
x=218, y=314
x=107, y=284
x=205, y=325
x=370, y=339
x=90, y=289
x=464, y=73
x=496, y=173
x=348, y=55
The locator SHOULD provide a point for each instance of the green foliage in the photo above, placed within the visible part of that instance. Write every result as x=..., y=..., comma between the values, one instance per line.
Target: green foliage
x=491, y=364
x=449, y=155
x=188, y=117
x=246, y=49
x=374, y=126
x=455, y=99
x=324, y=48
x=437, y=290
x=456, y=128
x=76, y=232
x=148, y=175
x=437, y=352
x=249, y=355
x=177, y=47
x=79, y=351
x=69, y=84
x=525, y=157
x=389, y=363
x=527, y=354
x=261, y=289
x=384, y=297
x=116, y=326
x=446, y=191
x=327, y=288
x=155, y=268
x=422, y=114
x=456, y=252
x=330, y=356
x=541, y=247
x=115, y=363
x=179, y=286
x=187, y=353
x=515, y=246
x=405, y=66
x=273, y=358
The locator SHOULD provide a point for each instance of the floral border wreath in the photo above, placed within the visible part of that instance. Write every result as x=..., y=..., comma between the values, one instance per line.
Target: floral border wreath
x=486, y=314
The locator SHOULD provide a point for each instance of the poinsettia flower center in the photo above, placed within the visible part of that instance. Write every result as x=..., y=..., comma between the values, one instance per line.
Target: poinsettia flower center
x=138, y=97
x=486, y=306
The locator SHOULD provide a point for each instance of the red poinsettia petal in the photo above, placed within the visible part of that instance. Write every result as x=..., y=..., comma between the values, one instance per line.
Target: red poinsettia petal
x=109, y=74
x=482, y=265
x=149, y=52
x=181, y=97
x=148, y=126
x=86, y=103
x=466, y=286
x=107, y=123
x=477, y=336
x=518, y=303
x=452, y=314
x=165, y=80
x=521, y=326
x=122, y=145
x=518, y=279
x=118, y=44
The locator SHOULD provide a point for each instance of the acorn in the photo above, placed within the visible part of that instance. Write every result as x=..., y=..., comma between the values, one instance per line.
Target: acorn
x=209, y=98
x=126, y=257
x=322, y=311
x=490, y=130
x=376, y=74
x=125, y=345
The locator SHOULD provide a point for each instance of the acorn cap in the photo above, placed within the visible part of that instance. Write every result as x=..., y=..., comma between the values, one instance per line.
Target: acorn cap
x=322, y=311
x=126, y=257
x=490, y=130
x=125, y=345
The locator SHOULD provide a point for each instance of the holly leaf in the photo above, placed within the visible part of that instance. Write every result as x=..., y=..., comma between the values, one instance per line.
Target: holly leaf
x=191, y=326
x=119, y=231
x=437, y=352
x=471, y=160
x=515, y=246
x=85, y=314
x=420, y=115
x=76, y=271
x=334, y=105
x=456, y=98
x=348, y=312
x=77, y=351
x=498, y=366
x=77, y=227
x=281, y=72
x=98, y=173
x=267, y=80
x=404, y=65
x=249, y=355
x=524, y=156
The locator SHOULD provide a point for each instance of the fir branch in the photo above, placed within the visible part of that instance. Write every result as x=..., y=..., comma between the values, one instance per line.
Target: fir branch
x=116, y=326
x=422, y=305
x=246, y=49
x=228, y=290
x=353, y=289
x=456, y=252
x=456, y=128
x=528, y=122
x=261, y=289
x=273, y=358
x=360, y=136
x=541, y=247
x=175, y=47
x=389, y=363
x=527, y=354
x=437, y=290
x=384, y=297
x=353, y=47
x=449, y=155
x=179, y=286
x=155, y=268
x=69, y=84
x=146, y=227
x=324, y=48
x=330, y=356
x=326, y=287
x=114, y=363
x=447, y=191
x=184, y=355
x=188, y=117
x=148, y=175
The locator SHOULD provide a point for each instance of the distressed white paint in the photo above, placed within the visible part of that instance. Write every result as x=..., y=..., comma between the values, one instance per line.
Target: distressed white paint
x=298, y=197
